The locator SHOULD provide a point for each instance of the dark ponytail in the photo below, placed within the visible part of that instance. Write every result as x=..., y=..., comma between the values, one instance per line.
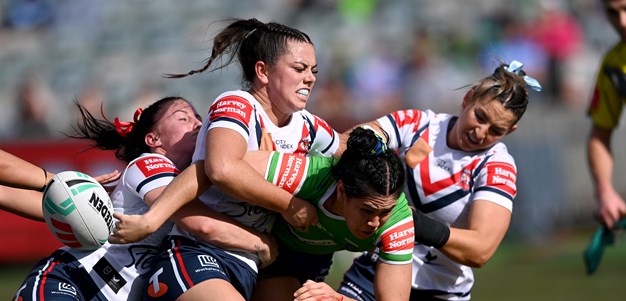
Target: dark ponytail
x=128, y=142
x=369, y=167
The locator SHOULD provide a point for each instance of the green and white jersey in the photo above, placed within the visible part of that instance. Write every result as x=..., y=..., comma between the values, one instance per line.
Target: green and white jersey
x=309, y=178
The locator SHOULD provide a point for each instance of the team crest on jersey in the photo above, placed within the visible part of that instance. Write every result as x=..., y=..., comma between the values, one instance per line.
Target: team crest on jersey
x=464, y=180
x=305, y=144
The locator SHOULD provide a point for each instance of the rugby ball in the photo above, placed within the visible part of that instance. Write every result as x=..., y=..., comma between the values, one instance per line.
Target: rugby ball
x=78, y=210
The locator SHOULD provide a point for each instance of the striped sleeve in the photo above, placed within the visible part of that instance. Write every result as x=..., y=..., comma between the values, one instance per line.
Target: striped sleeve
x=497, y=181
x=232, y=111
x=397, y=237
x=402, y=125
x=148, y=173
x=306, y=177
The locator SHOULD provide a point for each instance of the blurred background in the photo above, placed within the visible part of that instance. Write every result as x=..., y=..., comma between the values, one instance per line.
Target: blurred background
x=373, y=57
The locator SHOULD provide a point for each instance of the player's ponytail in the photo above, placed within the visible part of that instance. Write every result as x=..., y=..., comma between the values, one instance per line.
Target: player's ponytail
x=369, y=167
x=127, y=139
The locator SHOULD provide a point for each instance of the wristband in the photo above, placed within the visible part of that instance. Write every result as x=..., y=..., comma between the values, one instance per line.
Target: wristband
x=429, y=231
x=45, y=180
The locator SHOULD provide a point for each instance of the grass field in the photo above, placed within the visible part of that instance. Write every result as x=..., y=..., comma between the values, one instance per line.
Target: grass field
x=551, y=271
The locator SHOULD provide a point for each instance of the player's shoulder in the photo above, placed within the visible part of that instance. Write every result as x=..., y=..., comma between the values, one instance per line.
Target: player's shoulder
x=500, y=153
x=150, y=163
x=616, y=56
x=238, y=96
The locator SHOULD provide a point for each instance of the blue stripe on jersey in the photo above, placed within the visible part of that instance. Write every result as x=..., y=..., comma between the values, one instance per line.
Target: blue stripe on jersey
x=152, y=178
x=419, y=132
x=243, y=126
x=444, y=201
x=257, y=126
x=395, y=128
x=329, y=145
x=498, y=191
x=435, y=293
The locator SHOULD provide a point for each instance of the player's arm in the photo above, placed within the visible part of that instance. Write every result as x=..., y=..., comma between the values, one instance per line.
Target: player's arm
x=19, y=173
x=474, y=246
x=23, y=202
x=27, y=202
x=219, y=229
x=186, y=187
x=226, y=168
x=392, y=281
x=611, y=206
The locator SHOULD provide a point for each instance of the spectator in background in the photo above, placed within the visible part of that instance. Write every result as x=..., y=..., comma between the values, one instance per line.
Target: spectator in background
x=514, y=40
x=375, y=82
x=33, y=99
x=605, y=110
x=28, y=14
x=559, y=33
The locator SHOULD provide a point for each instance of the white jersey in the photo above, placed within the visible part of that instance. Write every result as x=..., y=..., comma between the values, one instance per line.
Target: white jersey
x=241, y=112
x=444, y=186
x=118, y=268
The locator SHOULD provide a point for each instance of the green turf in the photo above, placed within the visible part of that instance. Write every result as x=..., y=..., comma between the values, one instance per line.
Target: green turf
x=549, y=271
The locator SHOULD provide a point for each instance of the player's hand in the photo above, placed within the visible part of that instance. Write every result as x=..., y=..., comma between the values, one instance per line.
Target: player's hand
x=130, y=228
x=611, y=208
x=315, y=291
x=269, y=251
x=108, y=179
x=300, y=214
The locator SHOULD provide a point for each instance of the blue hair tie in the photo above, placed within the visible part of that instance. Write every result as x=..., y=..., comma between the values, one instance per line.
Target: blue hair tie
x=516, y=67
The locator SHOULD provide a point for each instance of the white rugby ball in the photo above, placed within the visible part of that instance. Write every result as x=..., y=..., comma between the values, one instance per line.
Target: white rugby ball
x=78, y=210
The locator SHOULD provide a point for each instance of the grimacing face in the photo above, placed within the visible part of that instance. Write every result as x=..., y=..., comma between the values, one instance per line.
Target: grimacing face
x=292, y=77
x=366, y=215
x=482, y=123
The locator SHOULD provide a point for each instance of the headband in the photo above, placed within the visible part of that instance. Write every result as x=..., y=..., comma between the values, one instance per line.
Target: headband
x=516, y=67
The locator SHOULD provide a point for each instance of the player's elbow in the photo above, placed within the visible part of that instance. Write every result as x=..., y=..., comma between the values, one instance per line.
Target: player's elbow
x=198, y=228
x=479, y=259
x=217, y=173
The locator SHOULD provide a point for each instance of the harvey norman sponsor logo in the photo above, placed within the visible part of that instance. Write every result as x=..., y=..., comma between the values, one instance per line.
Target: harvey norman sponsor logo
x=291, y=172
x=503, y=176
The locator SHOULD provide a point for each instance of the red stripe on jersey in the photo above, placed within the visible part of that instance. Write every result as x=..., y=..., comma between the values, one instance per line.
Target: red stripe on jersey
x=44, y=277
x=401, y=237
x=502, y=176
x=232, y=107
x=61, y=225
x=181, y=264
x=431, y=187
x=407, y=117
x=323, y=124
x=153, y=165
x=290, y=171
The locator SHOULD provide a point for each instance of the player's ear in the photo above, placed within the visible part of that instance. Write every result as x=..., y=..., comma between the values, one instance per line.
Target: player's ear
x=260, y=68
x=152, y=140
x=513, y=128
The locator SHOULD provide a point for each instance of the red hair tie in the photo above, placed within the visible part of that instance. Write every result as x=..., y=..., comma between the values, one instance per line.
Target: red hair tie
x=123, y=128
